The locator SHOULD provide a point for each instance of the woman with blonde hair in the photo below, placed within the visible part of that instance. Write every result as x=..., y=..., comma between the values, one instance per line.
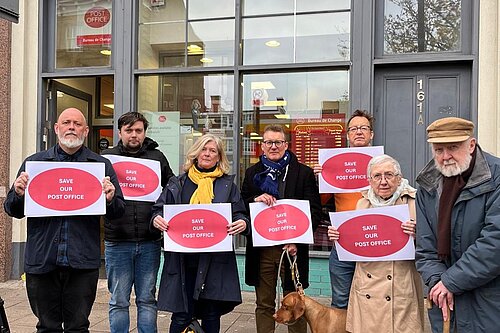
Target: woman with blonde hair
x=201, y=285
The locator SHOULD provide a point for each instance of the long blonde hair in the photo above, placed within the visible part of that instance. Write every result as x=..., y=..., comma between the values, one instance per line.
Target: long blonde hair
x=197, y=147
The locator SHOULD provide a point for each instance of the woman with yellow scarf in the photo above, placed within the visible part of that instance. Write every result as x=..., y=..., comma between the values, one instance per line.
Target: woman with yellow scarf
x=201, y=285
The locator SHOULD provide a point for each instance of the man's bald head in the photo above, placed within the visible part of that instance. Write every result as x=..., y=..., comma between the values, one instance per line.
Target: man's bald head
x=71, y=129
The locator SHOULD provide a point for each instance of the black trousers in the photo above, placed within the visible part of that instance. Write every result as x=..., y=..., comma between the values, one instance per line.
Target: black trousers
x=62, y=299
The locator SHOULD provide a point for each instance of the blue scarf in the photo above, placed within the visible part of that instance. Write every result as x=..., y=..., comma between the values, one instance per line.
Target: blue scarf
x=267, y=180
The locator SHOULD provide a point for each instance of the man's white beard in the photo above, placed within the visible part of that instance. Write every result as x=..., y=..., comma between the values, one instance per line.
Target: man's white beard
x=455, y=168
x=71, y=142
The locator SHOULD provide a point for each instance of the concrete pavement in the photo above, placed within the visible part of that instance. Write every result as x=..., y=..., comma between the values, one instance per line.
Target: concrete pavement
x=22, y=320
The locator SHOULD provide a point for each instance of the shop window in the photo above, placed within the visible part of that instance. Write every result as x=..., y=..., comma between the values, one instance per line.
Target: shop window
x=83, y=33
x=181, y=108
x=312, y=107
x=266, y=7
x=192, y=33
x=203, y=9
x=412, y=26
x=296, y=37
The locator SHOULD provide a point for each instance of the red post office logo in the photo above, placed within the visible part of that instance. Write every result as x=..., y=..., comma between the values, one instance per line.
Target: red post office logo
x=97, y=17
x=197, y=228
x=347, y=170
x=65, y=189
x=281, y=222
x=372, y=235
x=136, y=179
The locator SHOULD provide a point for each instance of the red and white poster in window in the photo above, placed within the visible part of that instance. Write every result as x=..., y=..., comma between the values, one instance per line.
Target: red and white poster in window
x=94, y=23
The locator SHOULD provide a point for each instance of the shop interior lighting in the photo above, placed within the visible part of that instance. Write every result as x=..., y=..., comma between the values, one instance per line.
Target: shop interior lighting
x=273, y=43
x=206, y=60
x=262, y=85
x=194, y=49
x=106, y=52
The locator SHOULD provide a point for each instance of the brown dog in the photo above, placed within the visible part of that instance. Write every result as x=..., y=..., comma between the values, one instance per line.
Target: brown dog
x=320, y=318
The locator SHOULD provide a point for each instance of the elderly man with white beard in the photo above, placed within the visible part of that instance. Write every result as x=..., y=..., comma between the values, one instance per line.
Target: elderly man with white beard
x=458, y=231
x=62, y=254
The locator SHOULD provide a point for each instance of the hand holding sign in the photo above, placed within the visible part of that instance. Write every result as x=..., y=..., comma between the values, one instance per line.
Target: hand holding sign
x=266, y=198
x=160, y=223
x=108, y=188
x=236, y=227
x=21, y=183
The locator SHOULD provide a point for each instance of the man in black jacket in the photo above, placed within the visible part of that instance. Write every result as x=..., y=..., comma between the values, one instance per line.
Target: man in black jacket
x=278, y=175
x=63, y=255
x=132, y=248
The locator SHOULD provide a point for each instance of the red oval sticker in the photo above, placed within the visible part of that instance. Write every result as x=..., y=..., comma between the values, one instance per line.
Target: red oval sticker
x=274, y=223
x=372, y=235
x=97, y=17
x=347, y=170
x=65, y=189
x=197, y=228
x=136, y=180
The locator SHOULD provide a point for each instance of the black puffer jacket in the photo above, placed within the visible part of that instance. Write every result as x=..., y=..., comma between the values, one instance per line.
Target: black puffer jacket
x=133, y=226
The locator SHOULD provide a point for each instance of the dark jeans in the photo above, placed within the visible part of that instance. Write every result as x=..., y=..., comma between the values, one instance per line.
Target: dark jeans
x=206, y=310
x=62, y=299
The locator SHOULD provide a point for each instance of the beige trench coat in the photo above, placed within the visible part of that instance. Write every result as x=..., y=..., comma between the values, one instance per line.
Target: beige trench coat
x=386, y=296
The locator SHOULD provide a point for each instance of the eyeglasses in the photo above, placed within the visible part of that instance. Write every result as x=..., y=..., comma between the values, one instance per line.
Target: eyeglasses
x=270, y=143
x=354, y=129
x=387, y=175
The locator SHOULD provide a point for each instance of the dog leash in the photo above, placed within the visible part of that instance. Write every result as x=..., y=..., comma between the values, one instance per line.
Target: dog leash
x=295, y=278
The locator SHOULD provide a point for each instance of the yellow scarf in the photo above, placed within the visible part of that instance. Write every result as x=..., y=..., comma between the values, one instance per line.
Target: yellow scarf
x=205, y=181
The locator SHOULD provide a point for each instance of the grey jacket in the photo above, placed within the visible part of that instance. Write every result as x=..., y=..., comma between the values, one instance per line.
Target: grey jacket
x=472, y=273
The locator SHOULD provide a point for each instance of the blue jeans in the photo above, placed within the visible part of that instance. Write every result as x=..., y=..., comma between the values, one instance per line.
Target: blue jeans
x=341, y=273
x=127, y=264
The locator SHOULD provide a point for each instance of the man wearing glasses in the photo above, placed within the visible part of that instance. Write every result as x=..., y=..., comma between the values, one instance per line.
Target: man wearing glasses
x=359, y=134
x=277, y=175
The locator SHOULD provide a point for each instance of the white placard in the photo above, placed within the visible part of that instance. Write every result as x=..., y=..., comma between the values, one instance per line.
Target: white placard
x=344, y=169
x=198, y=228
x=373, y=234
x=139, y=178
x=286, y=222
x=64, y=189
